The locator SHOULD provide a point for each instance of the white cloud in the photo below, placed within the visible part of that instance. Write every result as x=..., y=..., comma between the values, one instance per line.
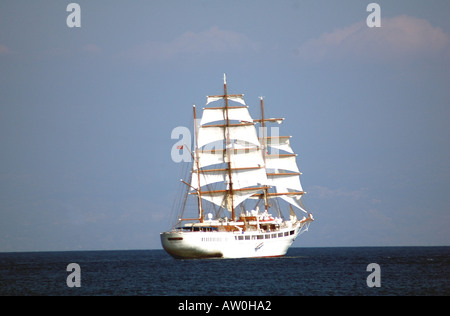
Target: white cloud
x=398, y=38
x=213, y=40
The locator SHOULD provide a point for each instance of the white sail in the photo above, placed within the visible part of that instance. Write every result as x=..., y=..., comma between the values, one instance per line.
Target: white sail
x=240, y=150
x=279, y=142
x=242, y=132
x=238, y=113
x=239, y=158
x=236, y=98
x=222, y=198
x=288, y=188
x=242, y=178
x=293, y=199
x=282, y=171
x=282, y=161
x=285, y=180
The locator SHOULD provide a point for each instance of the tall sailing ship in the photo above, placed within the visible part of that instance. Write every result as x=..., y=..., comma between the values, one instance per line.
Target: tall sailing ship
x=242, y=183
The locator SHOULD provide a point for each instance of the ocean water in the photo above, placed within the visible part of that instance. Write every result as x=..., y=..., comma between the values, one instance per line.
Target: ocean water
x=303, y=271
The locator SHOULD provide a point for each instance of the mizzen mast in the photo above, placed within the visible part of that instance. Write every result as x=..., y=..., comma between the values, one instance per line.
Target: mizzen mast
x=264, y=149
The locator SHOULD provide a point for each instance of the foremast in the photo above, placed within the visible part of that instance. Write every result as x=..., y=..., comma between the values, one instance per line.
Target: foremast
x=199, y=191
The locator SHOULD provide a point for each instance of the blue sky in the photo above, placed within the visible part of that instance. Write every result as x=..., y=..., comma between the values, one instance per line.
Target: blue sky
x=86, y=114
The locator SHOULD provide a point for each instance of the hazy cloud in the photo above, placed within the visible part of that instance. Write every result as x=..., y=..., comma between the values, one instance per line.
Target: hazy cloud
x=213, y=40
x=91, y=49
x=4, y=50
x=398, y=38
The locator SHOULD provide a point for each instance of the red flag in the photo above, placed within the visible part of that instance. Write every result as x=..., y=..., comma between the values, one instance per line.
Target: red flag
x=180, y=147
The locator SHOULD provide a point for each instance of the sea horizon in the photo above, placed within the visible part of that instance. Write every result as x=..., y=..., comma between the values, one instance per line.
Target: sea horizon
x=145, y=249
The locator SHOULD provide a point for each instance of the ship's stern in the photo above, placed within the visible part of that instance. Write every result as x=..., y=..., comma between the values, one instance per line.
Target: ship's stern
x=182, y=245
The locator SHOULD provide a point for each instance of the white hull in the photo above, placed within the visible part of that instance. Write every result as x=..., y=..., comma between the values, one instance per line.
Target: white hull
x=253, y=244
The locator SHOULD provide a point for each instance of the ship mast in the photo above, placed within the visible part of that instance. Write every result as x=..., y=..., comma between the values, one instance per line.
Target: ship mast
x=228, y=146
x=200, y=206
x=243, y=170
x=263, y=145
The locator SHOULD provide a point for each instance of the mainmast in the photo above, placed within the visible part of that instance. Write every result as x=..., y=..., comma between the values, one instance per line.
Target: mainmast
x=200, y=206
x=228, y=146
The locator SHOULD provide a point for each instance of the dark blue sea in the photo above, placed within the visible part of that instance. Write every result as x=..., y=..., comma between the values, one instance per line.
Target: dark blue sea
x=302, y=272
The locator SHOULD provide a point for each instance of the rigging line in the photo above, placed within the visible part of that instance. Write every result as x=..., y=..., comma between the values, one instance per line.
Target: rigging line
x=186, y=193
x=178, y=203
x=174, y=202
